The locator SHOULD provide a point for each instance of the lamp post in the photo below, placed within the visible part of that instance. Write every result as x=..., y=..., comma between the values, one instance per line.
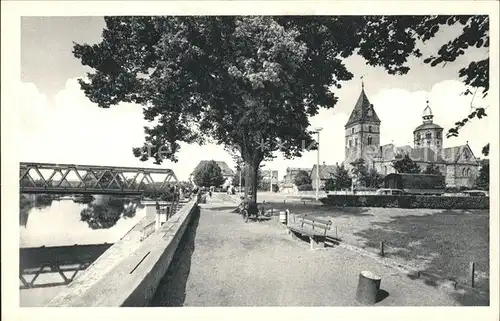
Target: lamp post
x=316, y=131
x=241, y=169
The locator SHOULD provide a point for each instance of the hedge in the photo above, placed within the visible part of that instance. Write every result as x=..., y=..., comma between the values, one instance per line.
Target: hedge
x=408, y=201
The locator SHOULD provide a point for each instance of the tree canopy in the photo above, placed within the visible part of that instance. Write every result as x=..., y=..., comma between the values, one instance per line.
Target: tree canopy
x=302, y=178
x=406, y=165
x=483, y=179
x=250, y=83
x=432, y=169
x=209, y=174
x=373, y=179
x=340, y=179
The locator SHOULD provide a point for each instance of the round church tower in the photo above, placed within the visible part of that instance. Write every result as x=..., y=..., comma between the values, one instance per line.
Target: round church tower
x=428, y=134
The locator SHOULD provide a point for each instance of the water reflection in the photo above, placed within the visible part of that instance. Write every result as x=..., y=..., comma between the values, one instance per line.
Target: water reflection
x=65, y=222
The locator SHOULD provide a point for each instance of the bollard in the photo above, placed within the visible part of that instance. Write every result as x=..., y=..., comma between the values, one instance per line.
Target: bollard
x=368, y=288
x=283, y=217
x=471, y=271
x=382, y=249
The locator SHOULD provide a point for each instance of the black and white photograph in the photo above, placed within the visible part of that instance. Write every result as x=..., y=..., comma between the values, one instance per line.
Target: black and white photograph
x=243, y=158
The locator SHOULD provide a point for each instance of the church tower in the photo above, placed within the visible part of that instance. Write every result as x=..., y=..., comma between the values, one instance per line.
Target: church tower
x=362, y=132
x=428, y=134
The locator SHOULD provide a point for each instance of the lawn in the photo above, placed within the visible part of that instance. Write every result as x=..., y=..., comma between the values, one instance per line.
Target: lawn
x=436, y=241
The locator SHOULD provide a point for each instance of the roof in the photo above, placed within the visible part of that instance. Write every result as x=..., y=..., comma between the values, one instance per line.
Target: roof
x=453, y=154
x=297, y=169
x=361, y=111
x=226, y=171
x=325, y=171
x=427, y=126
x=427, y=111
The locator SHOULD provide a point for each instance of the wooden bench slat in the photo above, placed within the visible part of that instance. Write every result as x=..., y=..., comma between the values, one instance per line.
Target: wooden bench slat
x=312, y=218
x=321, y=226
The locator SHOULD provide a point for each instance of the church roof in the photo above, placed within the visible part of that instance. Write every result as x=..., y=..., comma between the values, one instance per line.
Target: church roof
x=363, y=111
x=427, y=111
x=427, y=126
x=425, y=154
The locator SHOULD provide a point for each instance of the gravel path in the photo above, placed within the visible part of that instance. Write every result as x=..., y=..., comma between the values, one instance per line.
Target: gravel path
x=224, y=262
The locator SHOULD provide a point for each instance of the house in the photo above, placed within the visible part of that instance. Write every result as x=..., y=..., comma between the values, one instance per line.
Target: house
x=325, y=173
x=227, y=172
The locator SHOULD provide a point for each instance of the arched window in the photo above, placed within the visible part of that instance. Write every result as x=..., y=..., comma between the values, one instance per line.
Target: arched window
x=352, y=131
x=467, y=173
x=464, y=172
x=350, y=143
x=418, y=136
x=369, y=129
x=369, y=140
x=356, y=141
x=428, y=135
x=438, y=135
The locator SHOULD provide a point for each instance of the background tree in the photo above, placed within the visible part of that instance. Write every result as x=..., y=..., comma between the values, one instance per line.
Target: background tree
x=340, y=179
x=359, y=171
x=483, y=179
x=250, y=83
x=209, y=174
x=432, y=169
x=302, y=178
x=406, y=165
x=373, y=179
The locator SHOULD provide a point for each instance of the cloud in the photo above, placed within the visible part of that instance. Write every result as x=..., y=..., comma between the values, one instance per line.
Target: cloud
x=71, y=129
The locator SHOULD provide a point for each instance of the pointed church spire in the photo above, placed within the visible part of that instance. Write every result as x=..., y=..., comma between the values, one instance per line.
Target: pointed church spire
x=363, y=110
x=427, y=114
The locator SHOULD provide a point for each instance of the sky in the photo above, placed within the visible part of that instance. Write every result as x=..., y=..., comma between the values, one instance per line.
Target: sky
x=58, y=124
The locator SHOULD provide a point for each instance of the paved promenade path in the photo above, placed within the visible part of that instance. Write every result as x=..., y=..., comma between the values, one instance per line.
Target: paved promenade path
x=223, y=261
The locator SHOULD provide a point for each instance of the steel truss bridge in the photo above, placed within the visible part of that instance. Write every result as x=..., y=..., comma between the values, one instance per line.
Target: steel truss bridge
x=90, y=179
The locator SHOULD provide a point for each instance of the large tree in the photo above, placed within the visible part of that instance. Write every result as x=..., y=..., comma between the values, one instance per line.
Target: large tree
x=244, y=175
x=249, y=83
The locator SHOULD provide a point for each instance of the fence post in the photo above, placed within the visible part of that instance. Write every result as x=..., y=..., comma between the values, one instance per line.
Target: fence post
x=382, y=249
x=471, y=271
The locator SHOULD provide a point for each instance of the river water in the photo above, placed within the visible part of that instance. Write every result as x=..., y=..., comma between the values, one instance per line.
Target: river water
x=59, y=224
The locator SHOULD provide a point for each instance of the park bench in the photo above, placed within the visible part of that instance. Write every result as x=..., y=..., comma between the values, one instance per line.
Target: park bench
x=314, y=228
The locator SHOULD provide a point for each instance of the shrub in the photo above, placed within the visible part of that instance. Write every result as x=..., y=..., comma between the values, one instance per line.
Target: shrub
x=409, y=201
x=305, y=187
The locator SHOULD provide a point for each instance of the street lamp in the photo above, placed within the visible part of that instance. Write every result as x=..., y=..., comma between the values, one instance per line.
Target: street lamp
x=316, y=131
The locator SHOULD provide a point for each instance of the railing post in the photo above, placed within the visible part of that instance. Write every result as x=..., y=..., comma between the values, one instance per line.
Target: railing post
x=157, y=217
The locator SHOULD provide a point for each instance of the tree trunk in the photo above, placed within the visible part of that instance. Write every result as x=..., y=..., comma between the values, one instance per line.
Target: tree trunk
x=251, y=180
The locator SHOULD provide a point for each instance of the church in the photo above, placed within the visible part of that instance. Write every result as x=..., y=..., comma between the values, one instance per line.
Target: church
x=362, y=140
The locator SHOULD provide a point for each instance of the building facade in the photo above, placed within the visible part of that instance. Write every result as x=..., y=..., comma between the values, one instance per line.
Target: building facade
x=362, y=140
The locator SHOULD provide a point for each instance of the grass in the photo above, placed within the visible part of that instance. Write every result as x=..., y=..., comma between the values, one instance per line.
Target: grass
x=436, y=241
